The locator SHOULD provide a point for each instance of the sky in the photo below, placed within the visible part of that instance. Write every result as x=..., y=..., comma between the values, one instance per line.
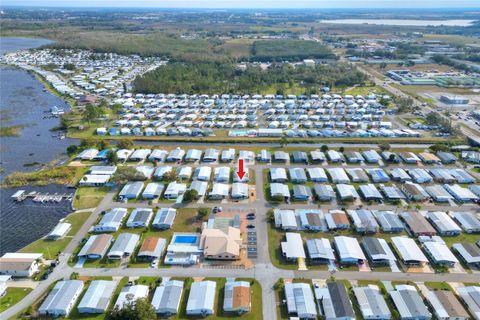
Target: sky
x=248, y=3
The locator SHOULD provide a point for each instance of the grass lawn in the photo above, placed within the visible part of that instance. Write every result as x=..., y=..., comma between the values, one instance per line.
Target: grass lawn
x=438, y=286
x=89, y=197
x=462, y=237
x=50, y=248
x=12, y=296
x=363, y=91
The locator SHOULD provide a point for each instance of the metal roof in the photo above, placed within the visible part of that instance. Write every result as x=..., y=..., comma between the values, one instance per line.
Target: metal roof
x=97, y=297
x=167, y=297
x=60, y=299
x=300, y=300
x=348, y=248
x=202, y=297
x=408, y=249
x=292, y=248
x=320, y=249
x=372, y=303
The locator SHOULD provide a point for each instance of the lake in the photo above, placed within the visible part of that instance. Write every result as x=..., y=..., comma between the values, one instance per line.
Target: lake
x=25, y=102
x=403, y=22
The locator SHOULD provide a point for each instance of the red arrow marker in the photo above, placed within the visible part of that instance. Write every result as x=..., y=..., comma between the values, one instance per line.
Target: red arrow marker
x=241, y=169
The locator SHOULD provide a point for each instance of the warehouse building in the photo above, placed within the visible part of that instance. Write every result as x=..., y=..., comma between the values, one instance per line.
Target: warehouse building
x=167, y=297
x=300, y=301
x=372, y=303
x=292, y=248
x=237, y=297
x=440, y=254
x=97, y=297
x=468, y=221
x=61, y=300
x=124, y=246
x=470, y=296
x=334, y=303
x=409, y=303
x=320, y=251
x=378, y=251
x=417, y=224
x=96, y=246
x=363, y=221
x=389, y=221
x=152, y=248
x=164, y=218
x=443, y=223
x=408, y=251
x=446, y=306
x=139, y=218
x=468, y=252
x=130, y=294
x=201, y=299
x=348, y=250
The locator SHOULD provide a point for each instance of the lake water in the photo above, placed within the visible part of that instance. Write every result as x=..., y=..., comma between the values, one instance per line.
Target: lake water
x=23, y=101
x=404, y=22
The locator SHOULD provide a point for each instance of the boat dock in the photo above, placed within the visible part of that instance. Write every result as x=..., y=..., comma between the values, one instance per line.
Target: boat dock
x=39, y=197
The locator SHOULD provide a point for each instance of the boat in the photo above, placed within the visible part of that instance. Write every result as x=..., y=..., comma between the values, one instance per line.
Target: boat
x=20, y=195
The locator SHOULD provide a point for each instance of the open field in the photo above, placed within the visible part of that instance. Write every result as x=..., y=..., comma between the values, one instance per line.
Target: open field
x=12, y=296
x=89, y=197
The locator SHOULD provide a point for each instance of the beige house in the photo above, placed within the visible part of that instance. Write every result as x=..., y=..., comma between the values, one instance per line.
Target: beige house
x=221, y=245
x=20, y=264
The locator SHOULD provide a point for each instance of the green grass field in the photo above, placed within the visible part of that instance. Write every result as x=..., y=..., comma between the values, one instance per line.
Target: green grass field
x=50, y=248
x=12, y=296
x=89, y=197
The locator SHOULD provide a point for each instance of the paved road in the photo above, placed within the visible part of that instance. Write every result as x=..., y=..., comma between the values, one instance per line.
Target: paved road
x=263, y=270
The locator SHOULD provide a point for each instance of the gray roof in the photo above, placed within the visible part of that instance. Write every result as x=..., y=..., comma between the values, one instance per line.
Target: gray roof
x=341, y=302
x=97, y=297
x=409, y=303
x=61, y=296
x=167, y=297
x=125, y=244
x=371, y=303
x=131, y=189
x=388, y=220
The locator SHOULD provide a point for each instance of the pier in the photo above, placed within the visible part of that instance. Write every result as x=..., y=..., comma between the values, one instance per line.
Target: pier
x=39, y=197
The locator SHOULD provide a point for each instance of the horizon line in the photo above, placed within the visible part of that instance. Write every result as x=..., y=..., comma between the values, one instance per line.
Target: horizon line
x=223, y=8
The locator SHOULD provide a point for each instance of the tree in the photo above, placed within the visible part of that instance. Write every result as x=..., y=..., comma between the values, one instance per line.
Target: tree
x=103, y=144
x=139, y=309
x=125, y=144
x=279, y=284
x=391, y=158
x=87, y=143
x=92, y=112
x=112, y=157
x=190, y=195
x=439, y=147
x=71, y=149
x=324, y=148
x=384, y=146
x=341, y=149
x=283, y=141
x=125, y=174
x=170, y=176
x=202, y=213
